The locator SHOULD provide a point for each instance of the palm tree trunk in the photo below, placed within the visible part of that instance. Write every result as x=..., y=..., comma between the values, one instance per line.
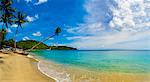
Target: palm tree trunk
x=41, y=42
x=15, y=44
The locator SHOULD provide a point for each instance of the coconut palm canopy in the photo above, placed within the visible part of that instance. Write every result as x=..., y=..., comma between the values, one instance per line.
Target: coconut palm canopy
x=85, y=24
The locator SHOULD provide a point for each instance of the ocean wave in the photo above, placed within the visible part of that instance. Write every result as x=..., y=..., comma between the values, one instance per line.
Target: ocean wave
x=48, y=69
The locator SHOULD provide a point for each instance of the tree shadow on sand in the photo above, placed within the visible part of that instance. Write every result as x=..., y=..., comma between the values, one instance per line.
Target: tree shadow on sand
x=1, y=61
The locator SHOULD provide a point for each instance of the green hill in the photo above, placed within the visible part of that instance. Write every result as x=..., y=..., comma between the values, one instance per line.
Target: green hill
x=61, y=48
x=28, y=44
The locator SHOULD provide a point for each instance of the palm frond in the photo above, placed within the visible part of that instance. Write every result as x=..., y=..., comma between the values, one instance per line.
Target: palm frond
x=20, y=19
x=58, y=30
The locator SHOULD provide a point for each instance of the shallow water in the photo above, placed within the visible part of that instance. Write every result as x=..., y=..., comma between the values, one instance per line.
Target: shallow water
x=102, y=61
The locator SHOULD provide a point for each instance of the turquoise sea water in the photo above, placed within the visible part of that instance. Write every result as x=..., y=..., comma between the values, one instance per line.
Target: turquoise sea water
x=106, y=61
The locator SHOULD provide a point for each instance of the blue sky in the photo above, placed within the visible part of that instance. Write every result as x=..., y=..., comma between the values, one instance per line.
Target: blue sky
x=87, y=24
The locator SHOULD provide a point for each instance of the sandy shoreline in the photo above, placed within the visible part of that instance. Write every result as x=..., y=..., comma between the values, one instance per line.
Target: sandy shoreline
x=41, y=70
x=82, y=75
x=18, y=68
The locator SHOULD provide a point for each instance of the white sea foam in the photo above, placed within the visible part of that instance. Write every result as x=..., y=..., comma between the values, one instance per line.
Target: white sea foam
x=47, y=69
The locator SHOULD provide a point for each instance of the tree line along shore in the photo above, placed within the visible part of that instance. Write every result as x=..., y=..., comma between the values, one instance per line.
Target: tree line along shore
x=28, y=44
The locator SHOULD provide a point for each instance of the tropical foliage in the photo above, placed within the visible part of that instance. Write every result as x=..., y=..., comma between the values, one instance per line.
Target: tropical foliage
x=9, y=16
x=57, y=31
x=20, y=19
x=29, y=43
x=2, y=37
x=6, y=12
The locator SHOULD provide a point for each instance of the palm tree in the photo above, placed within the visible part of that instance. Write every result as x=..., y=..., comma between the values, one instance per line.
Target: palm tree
x=6, y=16
x=6, y=20
x=20, y=19
x=5, y=6
x=57, y=31
x=2, y=37
x=7, y=12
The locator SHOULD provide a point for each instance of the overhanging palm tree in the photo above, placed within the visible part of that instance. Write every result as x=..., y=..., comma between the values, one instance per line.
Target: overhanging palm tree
x=20, y=19
x=57, y=31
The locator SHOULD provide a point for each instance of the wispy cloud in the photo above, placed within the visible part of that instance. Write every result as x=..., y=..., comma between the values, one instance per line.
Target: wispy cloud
x=9, y=30
x=119, y=40
x=31, y=19
x=26, y=38
x=14, y=25
x=37, y=33
x=133, y=25
x=27, y=1
x=93, y=21
x=37, y=3
x=130, y=15
x=41, y=2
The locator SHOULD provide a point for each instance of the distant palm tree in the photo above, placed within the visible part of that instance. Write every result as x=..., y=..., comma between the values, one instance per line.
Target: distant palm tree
x=6, y=16
x=6, y=20
x=2, y=37
x=5, y=6
x=20, y=19
x=57, y=31
x=6, y=12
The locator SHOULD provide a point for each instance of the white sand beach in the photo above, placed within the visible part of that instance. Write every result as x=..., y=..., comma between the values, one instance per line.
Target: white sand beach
x=19, y=68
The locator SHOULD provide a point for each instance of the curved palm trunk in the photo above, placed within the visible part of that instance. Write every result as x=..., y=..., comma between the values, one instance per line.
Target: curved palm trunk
x=41, y=42
x=15, y=44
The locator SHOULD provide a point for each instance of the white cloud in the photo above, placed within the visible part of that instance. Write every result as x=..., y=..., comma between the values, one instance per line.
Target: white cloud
x=130, y=15
x=41, y=2
x=9, y=30
x=14, y=25
x=31, y=19
x=37, y=16
x=28, y=1
x=37, y=34
x=120, y=40
x=25, y=38
x=92, y=21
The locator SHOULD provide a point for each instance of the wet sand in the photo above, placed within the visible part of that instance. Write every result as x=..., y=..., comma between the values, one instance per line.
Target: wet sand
x=18, y=68
x=83, y=75
x=79, y=75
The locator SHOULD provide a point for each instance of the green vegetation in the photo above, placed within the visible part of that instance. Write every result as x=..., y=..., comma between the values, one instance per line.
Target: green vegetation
x=28, y=44
x=57, y=32
x=20, y=19
x=61, y=48
x=9, y=16
x=9, y=43
x=2, y=37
